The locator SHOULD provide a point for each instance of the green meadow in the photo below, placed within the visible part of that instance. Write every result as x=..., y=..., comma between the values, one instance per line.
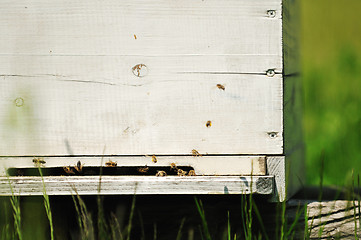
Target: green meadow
x=331, y=57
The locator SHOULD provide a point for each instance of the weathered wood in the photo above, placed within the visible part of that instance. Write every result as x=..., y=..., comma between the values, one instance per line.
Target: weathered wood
x=276, y=167
x=140, y=27
x=135, y=77
x=338, y=219
x=292, y=98
x=202, y=165
x=140, y=77
x=120, y=185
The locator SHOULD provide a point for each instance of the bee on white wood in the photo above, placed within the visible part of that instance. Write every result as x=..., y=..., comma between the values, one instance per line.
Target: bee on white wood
x=38, y=161
x=220, y=86
x=192, y=173
x=154, y=159
x=195, y=153
x=111, y=164
x=173, y=167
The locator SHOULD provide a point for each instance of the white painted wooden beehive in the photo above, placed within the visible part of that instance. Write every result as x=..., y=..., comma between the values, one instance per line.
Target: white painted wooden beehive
x=121, y=81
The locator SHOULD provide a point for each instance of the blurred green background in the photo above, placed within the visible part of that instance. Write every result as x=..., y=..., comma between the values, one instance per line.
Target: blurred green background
x=331, y=57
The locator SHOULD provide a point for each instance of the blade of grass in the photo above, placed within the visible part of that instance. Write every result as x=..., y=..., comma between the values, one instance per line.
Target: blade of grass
x=129, y=228
x=47, y=206
x=258, y=215
x=291, y=229
x=203, y=218
x=228, y=227
x=353, y=203
x=179, y=234
x=141, y=223
x=86, y=222
x=115, y=228
x=15, y=204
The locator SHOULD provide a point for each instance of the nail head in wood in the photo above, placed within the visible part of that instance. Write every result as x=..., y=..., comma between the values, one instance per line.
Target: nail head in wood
x=271, y=13
x=270, y=72
x=19, y=102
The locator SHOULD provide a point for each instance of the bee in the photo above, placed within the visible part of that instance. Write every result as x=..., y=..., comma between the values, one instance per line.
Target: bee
x=173, y=167
x=38, y=161
x=143, y=169
x=192, y=173
x=154, y=159
x=220, y=86
x=181, y=172
x=111, y=164
x=68, y=170
x=195, y=153
x=161, y=174
x=135, y=37
x=208, y=124
x=79, y=167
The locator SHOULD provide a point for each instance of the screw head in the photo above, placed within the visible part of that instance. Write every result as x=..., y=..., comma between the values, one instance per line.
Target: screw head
x=272, y=134
x=271, y=13
x=270, y=72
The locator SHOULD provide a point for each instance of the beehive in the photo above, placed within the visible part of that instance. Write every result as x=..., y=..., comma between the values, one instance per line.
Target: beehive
x=211, y=86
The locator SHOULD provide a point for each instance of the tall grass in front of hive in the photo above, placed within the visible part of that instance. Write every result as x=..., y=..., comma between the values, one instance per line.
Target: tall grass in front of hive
x=47, y=206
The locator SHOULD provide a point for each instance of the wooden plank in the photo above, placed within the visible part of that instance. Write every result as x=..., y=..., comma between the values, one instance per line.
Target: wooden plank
x=202, y=165
x=276, y=167
x=333, y=219
x=113, y=70
x=140, y=27
x=119, y=185
x=140, y=77
x=167, y=115
x=293, y=135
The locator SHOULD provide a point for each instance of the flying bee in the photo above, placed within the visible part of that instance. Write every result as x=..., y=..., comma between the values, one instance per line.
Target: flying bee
x=111, y=164
x=143, y=169
x=192, y=173
x=173, y=167
x=38, y=161
x=79, y=167
x=154, y=159
x=161, y=174
x=195, y=153
x=181, y=172
x=68, y=170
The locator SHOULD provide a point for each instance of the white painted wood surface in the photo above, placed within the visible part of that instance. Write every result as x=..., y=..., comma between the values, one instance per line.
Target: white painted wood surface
x=68, y=88
x=204, y=165
x=119, y=185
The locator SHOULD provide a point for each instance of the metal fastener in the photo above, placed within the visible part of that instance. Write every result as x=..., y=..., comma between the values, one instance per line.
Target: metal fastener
x=270, y=72
x=271, y=13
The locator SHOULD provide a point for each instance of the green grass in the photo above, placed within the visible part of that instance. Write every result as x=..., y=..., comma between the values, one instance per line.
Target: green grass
x=331, y=57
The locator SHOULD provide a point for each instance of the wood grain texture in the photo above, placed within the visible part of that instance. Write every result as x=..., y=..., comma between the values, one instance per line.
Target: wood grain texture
x=69, y=82
x=163, y=116
x=336, y=219
x=276, y=167
x=203, y=165
x=140, y=27
x=118, y=185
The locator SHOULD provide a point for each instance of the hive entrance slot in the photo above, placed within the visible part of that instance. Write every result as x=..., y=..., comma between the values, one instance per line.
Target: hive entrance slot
x=106, y=171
